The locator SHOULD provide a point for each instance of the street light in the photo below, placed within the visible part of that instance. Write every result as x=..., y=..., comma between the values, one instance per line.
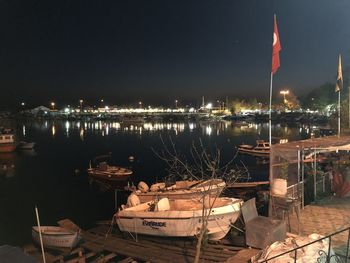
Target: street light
x=53, y=105
x=140, y=104
x=284, y=93
x=219, y=104
x=81, y=104
x=176, y=101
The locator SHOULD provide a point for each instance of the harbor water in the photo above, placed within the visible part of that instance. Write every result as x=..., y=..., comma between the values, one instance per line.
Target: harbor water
x=53, y=176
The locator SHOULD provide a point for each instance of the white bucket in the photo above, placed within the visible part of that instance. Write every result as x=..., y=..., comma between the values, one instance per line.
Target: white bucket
x=279, y=187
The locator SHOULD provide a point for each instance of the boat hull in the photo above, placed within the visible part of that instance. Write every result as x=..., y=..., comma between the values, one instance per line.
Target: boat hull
x=262, y=149
x=259, y=153
x=180, y=223
x=119, y=174
x=27, y=145
x=55, y=237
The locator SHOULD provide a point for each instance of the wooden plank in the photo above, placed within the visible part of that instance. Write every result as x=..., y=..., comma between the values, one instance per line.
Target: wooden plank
x=190, y=250
x=152, y=247
x=169, y=244
x=135, y=251
x=96, y=240
x=105, y=258
x=247, y=184
x=243, y=256
x=126, y=260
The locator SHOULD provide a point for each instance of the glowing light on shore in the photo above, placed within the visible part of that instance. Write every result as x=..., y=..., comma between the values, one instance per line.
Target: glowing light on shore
x=209, y=106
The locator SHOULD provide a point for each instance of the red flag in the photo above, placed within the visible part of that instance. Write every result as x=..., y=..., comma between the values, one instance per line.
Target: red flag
x=339, y=83
x=276, y=48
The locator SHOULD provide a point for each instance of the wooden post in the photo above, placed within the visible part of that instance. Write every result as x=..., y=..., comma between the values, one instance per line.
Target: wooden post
x=315, y=178
x=40, y=237
x=115, y=199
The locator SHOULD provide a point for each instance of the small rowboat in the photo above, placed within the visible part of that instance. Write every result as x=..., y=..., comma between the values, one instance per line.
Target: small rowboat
x=26, y=145
x=262, y=149
x=55, y=236
x=7, y=141
x=181, y=217
x=108, y=172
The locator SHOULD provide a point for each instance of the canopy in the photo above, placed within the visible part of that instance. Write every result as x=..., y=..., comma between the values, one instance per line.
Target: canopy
x=287, y=163
x=289, y=151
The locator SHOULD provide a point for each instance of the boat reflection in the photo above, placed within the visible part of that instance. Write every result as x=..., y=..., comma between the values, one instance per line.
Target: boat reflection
x=30, y=152
x=107, y=186
x=7, y=164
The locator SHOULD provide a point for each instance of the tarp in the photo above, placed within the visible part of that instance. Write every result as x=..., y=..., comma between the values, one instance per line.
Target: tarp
x=289, y=151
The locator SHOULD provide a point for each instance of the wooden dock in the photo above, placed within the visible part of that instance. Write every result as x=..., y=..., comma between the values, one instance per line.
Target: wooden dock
x=145, y=248
x=105, y=244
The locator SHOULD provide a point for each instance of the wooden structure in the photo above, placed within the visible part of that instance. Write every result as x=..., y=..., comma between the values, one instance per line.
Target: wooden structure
x=106, y=244
x=247, y=184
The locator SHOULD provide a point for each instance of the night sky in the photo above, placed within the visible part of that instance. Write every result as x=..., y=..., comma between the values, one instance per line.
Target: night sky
x=158, y=51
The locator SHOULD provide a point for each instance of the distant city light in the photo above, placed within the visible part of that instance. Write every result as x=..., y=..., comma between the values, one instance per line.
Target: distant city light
x=209, y=106
x=284, y=93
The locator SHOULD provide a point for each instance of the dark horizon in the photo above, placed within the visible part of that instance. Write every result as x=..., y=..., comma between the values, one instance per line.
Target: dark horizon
x=156, y=51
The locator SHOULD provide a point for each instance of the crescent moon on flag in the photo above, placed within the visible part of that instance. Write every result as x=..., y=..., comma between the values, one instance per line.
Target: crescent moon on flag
x=274, y=39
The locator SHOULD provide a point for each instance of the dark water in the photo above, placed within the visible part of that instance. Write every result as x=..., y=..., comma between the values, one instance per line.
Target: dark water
x=54, y=177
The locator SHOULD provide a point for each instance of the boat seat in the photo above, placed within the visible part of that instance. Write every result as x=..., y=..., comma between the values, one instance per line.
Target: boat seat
x=162, y=205
x=261, y=231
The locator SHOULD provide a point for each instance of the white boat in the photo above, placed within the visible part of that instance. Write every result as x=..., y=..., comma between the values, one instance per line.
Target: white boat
x=7, y=141
x=55, y=236
x=26, y=145
x=180, y=190
x=262, y=149
x=180, y=217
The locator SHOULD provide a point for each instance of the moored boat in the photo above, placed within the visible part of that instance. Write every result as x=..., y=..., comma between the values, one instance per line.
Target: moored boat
x=109, y=172
x=262, y=149
x=180, y=190
x=54, y=236
x=26, y=145
x=105, y=172
x=180, y=217
x=7, y=141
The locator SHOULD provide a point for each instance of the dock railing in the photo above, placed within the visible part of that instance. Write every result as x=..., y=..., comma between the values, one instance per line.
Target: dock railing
x=324, y=256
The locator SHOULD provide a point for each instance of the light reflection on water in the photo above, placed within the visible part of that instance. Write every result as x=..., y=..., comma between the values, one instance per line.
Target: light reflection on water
x=206, y=129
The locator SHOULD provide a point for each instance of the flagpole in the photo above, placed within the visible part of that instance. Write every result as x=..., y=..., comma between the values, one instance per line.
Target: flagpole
x=338, y=87
x=339, y=113
x=270, y=109
x=276, y=48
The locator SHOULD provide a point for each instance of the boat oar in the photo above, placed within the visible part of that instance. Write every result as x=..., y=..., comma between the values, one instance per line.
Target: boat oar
x=40, y=237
